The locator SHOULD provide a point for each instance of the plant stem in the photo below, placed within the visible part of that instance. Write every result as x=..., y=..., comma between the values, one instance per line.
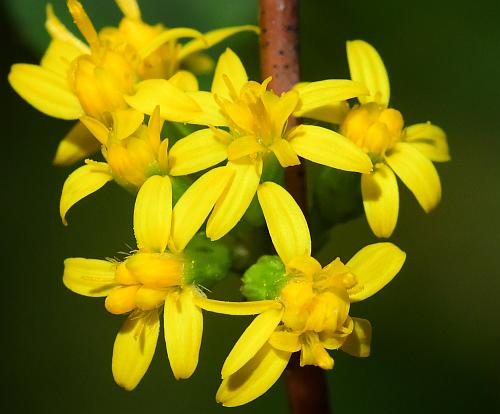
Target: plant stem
x=279, y=57
x=279, y=52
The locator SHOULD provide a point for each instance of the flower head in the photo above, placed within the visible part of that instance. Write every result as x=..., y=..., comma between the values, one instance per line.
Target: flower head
x=379, y=131
x=308, y=312
x=152, y=279
x=133, y=153
x=247, y=123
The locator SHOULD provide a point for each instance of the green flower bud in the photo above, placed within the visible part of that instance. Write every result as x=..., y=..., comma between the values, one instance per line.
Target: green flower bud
x=207, y=262
x=265, y=279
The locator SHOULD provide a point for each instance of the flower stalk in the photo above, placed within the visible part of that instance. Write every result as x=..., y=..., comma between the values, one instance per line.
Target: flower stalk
x=279, y=53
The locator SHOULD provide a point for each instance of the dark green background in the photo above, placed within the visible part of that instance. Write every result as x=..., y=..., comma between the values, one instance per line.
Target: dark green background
x=436, y=333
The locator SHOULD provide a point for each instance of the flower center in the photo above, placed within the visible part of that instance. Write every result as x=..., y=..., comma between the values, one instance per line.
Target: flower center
x=316, y=299
x=136, y=158
x=373, y=127
x=144, y=281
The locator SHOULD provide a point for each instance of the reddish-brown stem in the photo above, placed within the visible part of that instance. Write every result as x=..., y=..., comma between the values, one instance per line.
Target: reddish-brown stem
x=279, y=53
x=279, y=57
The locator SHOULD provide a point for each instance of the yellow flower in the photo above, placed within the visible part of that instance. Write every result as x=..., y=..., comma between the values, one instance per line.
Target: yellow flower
x=255, y=125
x=151, y=279
x=76, y=79
x=134, y=152
x=311, y=314
x=379, y=131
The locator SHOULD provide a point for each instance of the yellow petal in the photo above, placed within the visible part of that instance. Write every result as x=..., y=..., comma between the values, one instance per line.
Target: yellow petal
x=229, y=66
x=244, y=146
x=58, y=57
x=89, y=277
x=255, y=378
x=200, y=150
x=129, y=8
x=281, y=109
x=233, y=203
x=417, y=173
x=45, y=90
x=367, y=67
x=59, y=32
x=326, y=147
x=185, y=81
x=134, y=348
x=195, y=205
x=285, y=221
x=155, y=125
x=254, y=337
x=82, y=182
x=210, y=113
x=97, y=128
x=76, y=145
x=331, y=340
x=126, y=122
x=167, y=36
x=285, y=341
x=153, y=213
x=358, y=343
x=175, y=105
x=212, y=38
x=374, y=266
x=381, y=200
x=319, y=94
x=183, y=331
x=236, y=308
x=284, y=153
x=333, y=113
x=198, y=63
x=429, y=139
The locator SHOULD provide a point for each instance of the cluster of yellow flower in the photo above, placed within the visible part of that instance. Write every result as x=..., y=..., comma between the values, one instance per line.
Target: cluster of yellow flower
x=121, y=86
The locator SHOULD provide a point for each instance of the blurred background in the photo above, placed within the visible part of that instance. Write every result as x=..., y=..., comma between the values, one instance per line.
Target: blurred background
x=436, y=335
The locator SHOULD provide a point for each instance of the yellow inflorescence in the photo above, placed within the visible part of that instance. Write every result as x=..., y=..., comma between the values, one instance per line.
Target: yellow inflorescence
x=121, y=84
